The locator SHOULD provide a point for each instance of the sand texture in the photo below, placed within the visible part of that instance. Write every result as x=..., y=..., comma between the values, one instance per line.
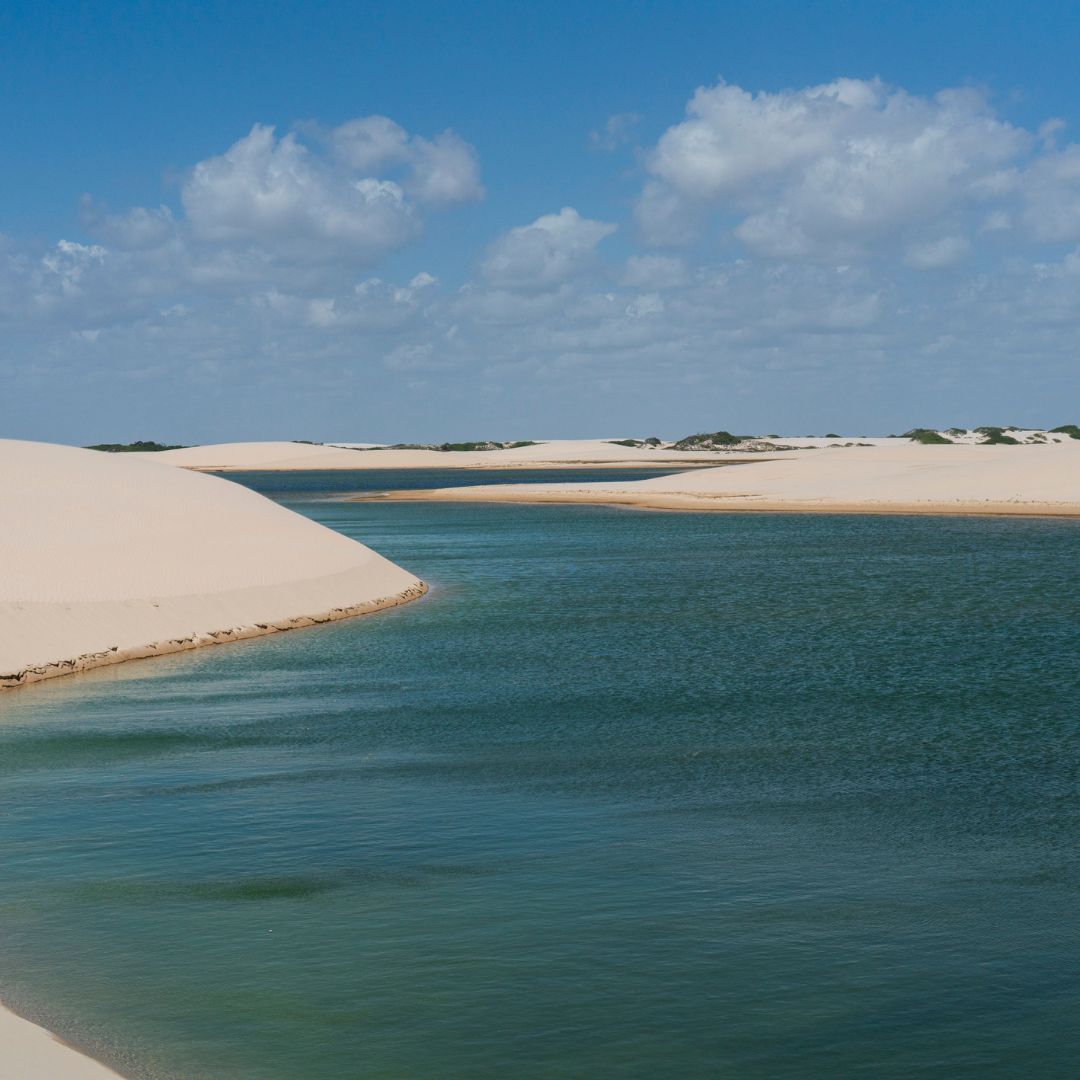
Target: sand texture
x=106, y=558
x=891, y=476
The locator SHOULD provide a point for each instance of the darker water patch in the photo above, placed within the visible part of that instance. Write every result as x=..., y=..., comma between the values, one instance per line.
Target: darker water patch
x=285, y=887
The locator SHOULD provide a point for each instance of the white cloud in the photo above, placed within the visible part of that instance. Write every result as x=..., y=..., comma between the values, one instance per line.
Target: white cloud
x=1052, y=196
x=828, y=170
x=654, y=272
x=275, y=194
x=136, y=230
x=369, y=144
x=860, y=240
x=291, y=213
x=443, y=171
x=645, y=305
x=936, y=254
x=550, y=251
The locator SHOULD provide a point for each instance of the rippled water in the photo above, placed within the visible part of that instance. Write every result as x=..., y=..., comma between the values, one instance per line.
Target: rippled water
x=627, y=795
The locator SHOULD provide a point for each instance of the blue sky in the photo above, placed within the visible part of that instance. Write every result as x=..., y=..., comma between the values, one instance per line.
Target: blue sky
x=502, y=220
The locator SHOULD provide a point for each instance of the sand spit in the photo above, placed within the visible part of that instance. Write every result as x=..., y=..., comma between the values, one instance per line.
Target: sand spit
x=552, y=454
x=891, y=477
x=29, y=1052
x=109, y=558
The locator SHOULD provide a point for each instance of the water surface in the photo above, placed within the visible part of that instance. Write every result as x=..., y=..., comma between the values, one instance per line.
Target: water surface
x=627, y=795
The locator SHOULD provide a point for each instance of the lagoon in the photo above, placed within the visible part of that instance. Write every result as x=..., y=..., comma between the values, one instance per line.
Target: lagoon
x=627, y=795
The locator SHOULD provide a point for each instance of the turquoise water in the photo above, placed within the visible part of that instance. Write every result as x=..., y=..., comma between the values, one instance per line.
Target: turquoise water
x=627, y=795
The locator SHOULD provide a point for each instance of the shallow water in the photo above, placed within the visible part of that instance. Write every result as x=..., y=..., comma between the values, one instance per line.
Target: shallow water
x=627, y=795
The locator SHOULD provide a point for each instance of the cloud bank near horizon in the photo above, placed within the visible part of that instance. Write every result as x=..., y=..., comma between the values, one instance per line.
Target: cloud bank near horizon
x=849, y=246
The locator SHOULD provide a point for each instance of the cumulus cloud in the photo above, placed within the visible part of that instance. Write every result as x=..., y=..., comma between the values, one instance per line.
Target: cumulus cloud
x=271, y=218
x=826, y=171
x=307, y=199
x=550, y=251
x=837, y=237
x=443, y=171
x=274, y=193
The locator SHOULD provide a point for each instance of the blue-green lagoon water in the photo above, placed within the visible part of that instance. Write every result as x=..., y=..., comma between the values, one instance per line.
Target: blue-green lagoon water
x=626, y=795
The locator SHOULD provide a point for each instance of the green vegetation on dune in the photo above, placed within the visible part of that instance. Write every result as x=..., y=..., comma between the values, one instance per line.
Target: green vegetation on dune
x=987, y=435
x=927, y=436
x=461, y=447
x=717, y=440
x=132, y=447
x=995, y=436
x=487, y=444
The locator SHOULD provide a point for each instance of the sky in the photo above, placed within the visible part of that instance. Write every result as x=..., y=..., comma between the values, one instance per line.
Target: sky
x=429, y=221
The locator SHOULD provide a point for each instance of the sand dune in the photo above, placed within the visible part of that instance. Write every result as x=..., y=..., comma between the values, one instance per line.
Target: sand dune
x=287, y=456
x=108, y=558
x=889, y=477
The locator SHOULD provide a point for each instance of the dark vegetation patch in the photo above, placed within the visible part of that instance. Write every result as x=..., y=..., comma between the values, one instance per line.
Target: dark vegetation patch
x=927, y=437
x=132, y=447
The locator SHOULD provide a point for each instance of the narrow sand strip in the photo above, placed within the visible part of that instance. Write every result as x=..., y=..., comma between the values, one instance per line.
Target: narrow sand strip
x=29, y=1052
x=106, y=558
x=897, y=478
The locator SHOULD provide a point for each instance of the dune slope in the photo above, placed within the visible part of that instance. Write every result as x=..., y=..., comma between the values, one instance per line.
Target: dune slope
x=108, y=558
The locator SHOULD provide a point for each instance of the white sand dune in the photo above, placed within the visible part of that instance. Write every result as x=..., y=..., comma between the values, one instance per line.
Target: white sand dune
x=107, y=558
x=286, y=456
x=891, y=476
x=28, y=1052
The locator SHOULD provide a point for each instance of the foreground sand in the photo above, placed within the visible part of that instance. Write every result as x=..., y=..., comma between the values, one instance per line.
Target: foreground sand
x=28, y=1052
x=888, y=477
x=108, y=558
x=552, y=454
